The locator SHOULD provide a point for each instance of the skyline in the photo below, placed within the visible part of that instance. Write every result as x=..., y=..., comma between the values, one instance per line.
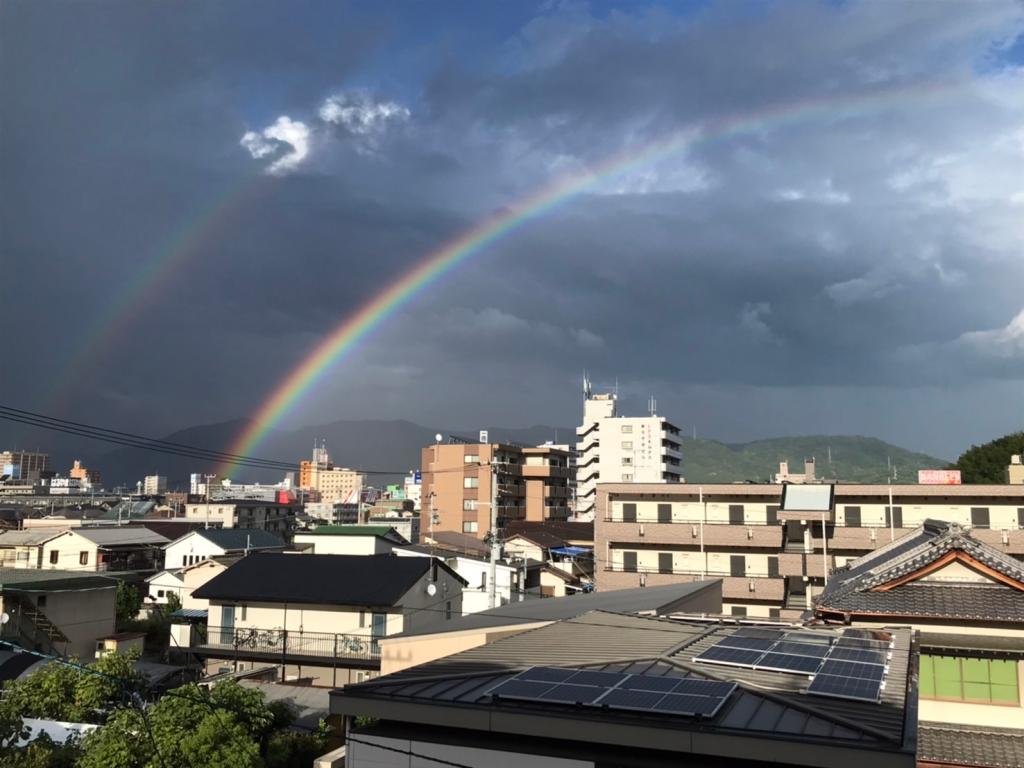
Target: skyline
x=850, y=271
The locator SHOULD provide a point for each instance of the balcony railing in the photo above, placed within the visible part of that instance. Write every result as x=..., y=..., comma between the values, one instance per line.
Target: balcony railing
x=650, y=520
x=289, y=642
x=650, y=569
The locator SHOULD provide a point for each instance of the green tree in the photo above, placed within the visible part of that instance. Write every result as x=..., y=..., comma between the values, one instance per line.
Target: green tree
x=987, y=463
x=128, y=603
x=173, y=603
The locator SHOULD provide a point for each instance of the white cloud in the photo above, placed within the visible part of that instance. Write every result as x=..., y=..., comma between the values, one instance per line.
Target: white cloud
x=587, y=339
x=1005, y=342
x=360, y=114
x=752, y=321
x=870, y=287
x=285, y=139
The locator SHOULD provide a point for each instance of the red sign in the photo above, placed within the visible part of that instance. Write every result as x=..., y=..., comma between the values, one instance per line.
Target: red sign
x=938, y=477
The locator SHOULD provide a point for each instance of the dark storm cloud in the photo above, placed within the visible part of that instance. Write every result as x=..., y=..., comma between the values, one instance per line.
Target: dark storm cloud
x=865, y=246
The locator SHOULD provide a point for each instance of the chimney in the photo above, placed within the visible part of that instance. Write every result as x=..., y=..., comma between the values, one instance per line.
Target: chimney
x=809, y=470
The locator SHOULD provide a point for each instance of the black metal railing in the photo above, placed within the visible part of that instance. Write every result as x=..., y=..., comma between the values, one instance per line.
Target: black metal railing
x=291, y=642
x=653, y=569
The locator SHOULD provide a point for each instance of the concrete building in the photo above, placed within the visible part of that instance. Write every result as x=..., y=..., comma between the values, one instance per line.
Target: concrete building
x=90, y=478
x=620, y=449
x=105, y=549
x=773, y=564
x=154, y=485
x=1015, y=472
x=351, y=539
x=329, y=483
x=195, y=546
x=461, y=477
x=807, y=476
x=24, y=465
x=275, y=517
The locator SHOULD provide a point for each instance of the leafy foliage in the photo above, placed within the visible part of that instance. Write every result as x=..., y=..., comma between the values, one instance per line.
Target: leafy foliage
x=173, y=603
x=987, y=463
x=128, y=603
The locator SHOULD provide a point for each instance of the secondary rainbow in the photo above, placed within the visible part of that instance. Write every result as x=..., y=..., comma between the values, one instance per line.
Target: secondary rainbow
x=355, y=328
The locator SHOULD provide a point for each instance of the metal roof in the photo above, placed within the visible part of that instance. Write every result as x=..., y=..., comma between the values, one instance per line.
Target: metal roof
x=239, y=539
x=984, y=746
x=667, y=598
x=122, y=536
x=766, y=706
x=47, y=580
x=29, y=537
x=380, y=531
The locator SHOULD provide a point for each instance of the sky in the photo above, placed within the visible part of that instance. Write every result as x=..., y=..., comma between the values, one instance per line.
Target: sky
x=195, y=193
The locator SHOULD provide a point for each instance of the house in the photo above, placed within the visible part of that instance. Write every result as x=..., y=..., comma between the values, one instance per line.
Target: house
x=544, y=579
x=195, y=576
x=164, y=583
x=419, y=646
x=202, y=544
x=967, y=600
x=476, y=571
x=24, y=549
x=457, y=542
x=57, y=612
x=351, y=539
x=273, y=516
x=642, y=691
x=320, y=617
x=105, y=549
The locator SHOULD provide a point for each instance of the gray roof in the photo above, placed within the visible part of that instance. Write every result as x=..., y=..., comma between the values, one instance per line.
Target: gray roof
x=121, y=536
x=240, y=539
x=854, y=589
x=766, y=705
x=52, y=580
x=29, y=537
x=668, y=598
x=308, y=704
x=952, y=744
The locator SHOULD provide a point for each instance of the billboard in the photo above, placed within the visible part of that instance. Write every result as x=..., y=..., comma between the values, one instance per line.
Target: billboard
x=938, y=477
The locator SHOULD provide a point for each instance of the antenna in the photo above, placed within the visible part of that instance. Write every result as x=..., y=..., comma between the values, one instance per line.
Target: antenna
x=586, y=386
x=616, y=387
x=652, y=405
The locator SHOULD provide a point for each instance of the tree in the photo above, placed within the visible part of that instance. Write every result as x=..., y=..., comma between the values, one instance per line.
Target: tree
x=128, y=603
x=987, y=463
x=173, y=603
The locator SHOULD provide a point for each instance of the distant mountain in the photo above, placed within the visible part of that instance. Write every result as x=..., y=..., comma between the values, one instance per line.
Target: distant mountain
x=838, y=457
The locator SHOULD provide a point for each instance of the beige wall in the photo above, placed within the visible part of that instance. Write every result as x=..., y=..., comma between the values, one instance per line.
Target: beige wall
x=402, y=652
x=517, y=546
x=326, y=544
x=194, y=578
x=83, y=616
x=70, y=548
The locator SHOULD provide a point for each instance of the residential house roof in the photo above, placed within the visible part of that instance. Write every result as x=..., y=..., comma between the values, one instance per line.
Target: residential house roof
x=457, y=542
x=663, y=599
x=943, y=744
x=52, y=580
x=121, y=536
x=377, y=531
x=239, y=539
x=173, y=528
x=566, y=530
x=277, y=577
x=893, y=580
x=29, y=537
x=543, y=539
x=766, y=707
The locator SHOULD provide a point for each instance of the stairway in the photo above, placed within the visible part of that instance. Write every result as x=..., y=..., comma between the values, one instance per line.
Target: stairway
x=32, y=624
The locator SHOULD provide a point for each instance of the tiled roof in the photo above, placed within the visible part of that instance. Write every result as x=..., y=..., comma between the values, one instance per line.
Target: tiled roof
x=982, y=746
x=855, y=589
x=568, y=531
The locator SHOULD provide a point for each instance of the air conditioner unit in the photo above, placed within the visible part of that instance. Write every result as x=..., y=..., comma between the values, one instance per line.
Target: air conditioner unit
x=693, y=531
x=752, y=588
x=750, y=533
x=641, y=530
x=874, y=534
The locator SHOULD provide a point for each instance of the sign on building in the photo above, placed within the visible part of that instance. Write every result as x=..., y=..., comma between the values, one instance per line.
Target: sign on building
x=938, y=477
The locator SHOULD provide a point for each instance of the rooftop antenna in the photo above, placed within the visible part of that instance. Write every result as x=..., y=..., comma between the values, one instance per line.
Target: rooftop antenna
x=652, y=405
x=616, y=387
x=587, y=390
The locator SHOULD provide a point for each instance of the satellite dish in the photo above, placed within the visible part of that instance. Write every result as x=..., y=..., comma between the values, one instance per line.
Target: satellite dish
x=431, y=590
x=438, y=437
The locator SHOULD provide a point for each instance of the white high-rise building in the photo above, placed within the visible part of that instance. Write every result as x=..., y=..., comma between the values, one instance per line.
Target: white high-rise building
x=621, y=449
x=154, y=485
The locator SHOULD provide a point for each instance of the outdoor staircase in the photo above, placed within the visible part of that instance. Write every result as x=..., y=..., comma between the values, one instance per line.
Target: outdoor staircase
x=34, y=627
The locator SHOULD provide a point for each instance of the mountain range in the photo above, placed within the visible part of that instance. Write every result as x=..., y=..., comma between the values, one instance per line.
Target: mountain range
x=389, y=449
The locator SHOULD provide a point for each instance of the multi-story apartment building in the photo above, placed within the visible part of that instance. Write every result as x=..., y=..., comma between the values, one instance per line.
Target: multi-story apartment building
x=330, y=483
x=154, y=485
x=24, y=465
x=458, y=478
x=244, y=513
x=774, y=564
x=612, y=449
x=90, y=477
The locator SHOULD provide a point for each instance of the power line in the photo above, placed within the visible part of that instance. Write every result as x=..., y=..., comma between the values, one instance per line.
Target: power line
x=407, y=752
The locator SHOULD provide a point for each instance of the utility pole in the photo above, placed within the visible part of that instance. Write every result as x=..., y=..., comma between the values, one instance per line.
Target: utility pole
x=495, y=542
x=208, y=478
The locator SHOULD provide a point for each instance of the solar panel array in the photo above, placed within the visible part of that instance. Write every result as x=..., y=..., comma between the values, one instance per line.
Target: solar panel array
x=852, y=667
x=692, y=697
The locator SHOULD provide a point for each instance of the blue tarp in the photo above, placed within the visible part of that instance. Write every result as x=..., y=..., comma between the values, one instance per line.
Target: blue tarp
x=571, y=551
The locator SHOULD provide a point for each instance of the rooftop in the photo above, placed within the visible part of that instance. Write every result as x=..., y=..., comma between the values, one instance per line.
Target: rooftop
x=46, y=580
x=277, y=577
x=121, y=536
x=944, y=744
x=239, y=539
x=29, y=537
x=379, y=531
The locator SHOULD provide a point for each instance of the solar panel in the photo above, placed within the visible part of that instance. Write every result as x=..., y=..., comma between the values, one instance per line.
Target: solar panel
x=809, y=638
x=853, y=642
x=573, y=694
x=618, y=698
x=590, y=677
x=764, y=633
x=521, y=689
x=801, y=649
x=853, y=670
x=863, y=655
x=683, y=704
x=736, y=657
x=650, y=683
x=845, y=688
x=750, y=643
x=785, y=662
x=547, y=674
x=714, y=688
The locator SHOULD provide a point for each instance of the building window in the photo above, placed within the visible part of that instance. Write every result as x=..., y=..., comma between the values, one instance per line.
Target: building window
x=1020, y=517
x=738, y=610
x=483, y=580
x=773, y=566
x=83, y=558
x=984, y=681
x=772, y=514
x=471, y=482
x=894, y=517
x=362, y=619
x=979, y=517
x=627, y=477
x=41, y=601
x=160, y=593
x=664, y=513
x=627, y=429
x=627, y=445
x=737, y=565
x=470, y=526
x=853, y=517
x=54, y=556
x=774, y=613
x=664, y=562
x=629, y=562
x=627, y=461
x=469, y=505
x=629, y=513
x=735, y=514
x=471, y=458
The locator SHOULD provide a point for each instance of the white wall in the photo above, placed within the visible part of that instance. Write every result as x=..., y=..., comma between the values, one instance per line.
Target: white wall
x=326, y=544
x=364, y=755
x=476, y=596
x=166, y=582
x=189, y=550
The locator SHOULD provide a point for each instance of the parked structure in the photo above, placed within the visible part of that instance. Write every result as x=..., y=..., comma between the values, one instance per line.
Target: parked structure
x=461, y=479
x=649, y=534
x=351, y=539
x=320, y=617
x=621, y=449
x=479, y=707
x=967, y=599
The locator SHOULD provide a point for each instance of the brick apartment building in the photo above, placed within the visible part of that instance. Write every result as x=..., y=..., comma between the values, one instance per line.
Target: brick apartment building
x=532, y=484
x=774, y=565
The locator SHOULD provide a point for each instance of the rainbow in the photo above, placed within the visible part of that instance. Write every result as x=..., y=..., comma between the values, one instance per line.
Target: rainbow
x=358, y=326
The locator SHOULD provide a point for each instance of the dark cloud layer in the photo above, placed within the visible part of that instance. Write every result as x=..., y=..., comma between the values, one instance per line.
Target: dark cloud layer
x=851, y=262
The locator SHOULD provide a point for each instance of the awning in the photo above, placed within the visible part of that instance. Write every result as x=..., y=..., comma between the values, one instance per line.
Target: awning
x=191, y=614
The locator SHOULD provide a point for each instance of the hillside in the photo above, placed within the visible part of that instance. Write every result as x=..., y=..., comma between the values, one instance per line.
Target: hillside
x=853, y=459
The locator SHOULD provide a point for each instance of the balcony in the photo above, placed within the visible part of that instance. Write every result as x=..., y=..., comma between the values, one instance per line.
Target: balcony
x=289, y=646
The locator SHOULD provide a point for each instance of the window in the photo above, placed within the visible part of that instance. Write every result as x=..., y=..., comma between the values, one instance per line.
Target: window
x=54, y=556
x=160, y=593
x=627, y=429
x=664, y=513
x=735, y=514
x=985, y=681
x=243, y=611
x=772, y=514
x=1020, y=517
x=738, y=610
x=483, y=580
x=664, y=562
x=737, y=565
x=629, y=562
x=469, y=505
x=471, y=458
x=627, y=477
x=774, y=613
x=627, y=445
x=853, y=517
x=979, y=517
x=629, y=513
x=83, y=558
x=627, y=461
x=471, y=482
x=362, y=619
x=470, y=526
x=773, y=566
x=894, y=517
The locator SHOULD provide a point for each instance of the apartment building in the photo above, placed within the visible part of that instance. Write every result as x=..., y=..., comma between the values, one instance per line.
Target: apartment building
x=89, y=477
x=24, y=465
x=612, y=449
x=331, y=484
x=461, y=477
x=277, y=517
x=774, y=563
x=154, y=485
